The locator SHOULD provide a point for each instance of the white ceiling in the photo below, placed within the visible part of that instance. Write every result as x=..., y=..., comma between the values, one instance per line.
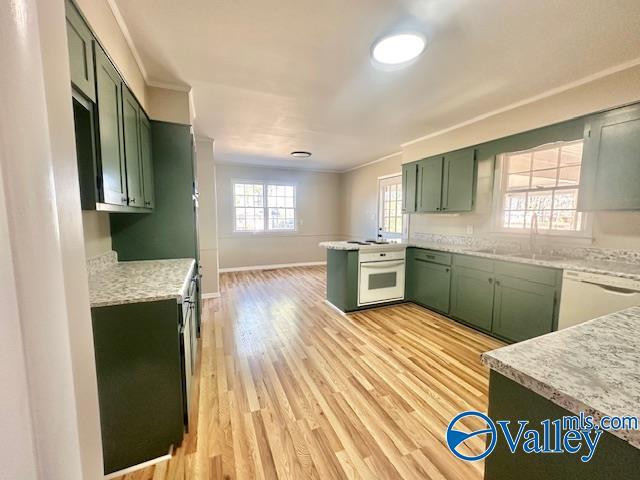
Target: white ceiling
x=270, y=77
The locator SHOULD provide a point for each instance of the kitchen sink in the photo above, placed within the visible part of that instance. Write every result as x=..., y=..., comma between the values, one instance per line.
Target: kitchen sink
x=497, y=251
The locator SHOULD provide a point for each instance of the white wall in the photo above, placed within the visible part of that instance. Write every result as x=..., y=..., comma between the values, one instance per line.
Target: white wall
x=43, y=224
x=610, y=230
x=318, y=210
x=207, y=218
x=359, y=197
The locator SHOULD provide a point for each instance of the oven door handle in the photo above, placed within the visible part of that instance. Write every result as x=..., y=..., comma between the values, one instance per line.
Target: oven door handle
x=383, y=264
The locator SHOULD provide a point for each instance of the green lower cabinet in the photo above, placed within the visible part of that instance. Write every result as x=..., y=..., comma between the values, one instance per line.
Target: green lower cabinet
x=428, y=284
x=614, y=458
x=472, y=296
x=138, y=367
x=342, y=279
x=522, y=309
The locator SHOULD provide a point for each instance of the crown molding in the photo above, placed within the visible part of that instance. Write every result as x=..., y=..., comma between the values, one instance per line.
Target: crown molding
x=169, y=86
x=381, y=159
x=127, y=36
x=549, y=93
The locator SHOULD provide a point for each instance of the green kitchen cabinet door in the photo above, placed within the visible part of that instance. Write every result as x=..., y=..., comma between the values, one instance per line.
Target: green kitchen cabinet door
x=472, y=293
x=80, y=41
x=146, y=153
x=110, y=132
x=522, y=309
x=611, y=161
x=430, y=184
x=409, y=183
x=429, y=285
x=132, y=148
x=458, y=184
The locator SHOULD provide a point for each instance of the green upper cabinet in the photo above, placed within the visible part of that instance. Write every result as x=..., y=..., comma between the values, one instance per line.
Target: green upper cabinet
x=409, y=183
x=522, y=309
x=148, y=185
x=446, y=183
x=430, y=184
x=110, y=132
x=80, y=41
x=132, y=148
x=611, y=161
x=458, y=181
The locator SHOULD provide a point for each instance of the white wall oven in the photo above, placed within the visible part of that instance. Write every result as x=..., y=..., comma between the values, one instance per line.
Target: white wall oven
x=381, y=277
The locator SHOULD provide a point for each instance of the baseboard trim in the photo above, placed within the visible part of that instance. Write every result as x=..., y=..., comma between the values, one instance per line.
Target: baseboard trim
x=140, y=466
x=270, y=267
x=206, y=296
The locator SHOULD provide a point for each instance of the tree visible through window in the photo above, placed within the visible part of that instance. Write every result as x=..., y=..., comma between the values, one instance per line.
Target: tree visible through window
x=259, y=207
x=544, y=181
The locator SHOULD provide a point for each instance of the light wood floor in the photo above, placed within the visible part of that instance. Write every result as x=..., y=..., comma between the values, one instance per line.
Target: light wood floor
x=292, y=389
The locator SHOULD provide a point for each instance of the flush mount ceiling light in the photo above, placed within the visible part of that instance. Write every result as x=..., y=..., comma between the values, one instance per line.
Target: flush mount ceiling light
x=301, y=154
x=398, y=49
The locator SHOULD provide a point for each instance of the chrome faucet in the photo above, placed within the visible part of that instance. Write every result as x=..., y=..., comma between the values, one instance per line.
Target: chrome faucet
x=533, y=234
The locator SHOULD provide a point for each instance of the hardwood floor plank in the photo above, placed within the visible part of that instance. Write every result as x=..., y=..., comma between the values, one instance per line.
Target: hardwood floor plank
x=289, y=388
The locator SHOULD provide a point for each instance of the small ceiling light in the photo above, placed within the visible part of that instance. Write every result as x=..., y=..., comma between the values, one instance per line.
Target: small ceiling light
x=301, y=154
x=398, y=49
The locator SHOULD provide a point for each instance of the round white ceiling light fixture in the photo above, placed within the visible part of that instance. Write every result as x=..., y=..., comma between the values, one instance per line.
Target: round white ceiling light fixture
x=398, y=49
x=301, y=154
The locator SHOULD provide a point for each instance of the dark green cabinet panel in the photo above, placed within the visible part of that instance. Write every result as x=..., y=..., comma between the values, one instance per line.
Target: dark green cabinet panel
x=146, y=150
x=522, y=309
x=458, y=181
x=409, y=183
x=138, y=367
x=170, y=232
x=109, y=107
x=430, y=184
x=132, y=148
x=80, y=41
x=342, y=279
x=611, y=161
x=429, y=284
x=472, y=296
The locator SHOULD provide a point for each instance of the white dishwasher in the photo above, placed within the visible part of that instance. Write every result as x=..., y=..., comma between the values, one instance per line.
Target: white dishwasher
x=589, y=295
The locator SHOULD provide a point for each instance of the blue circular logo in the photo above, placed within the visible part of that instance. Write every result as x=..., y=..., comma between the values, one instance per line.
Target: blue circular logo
x=457, y=436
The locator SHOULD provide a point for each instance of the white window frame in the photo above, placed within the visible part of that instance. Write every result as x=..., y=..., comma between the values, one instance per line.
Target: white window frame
x=380, y=224
x=265, y=185
x=295, y=207
x=499, y=191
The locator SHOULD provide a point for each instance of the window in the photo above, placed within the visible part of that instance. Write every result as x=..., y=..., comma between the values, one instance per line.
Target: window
x=259, y=207
x=281, y=203
x=390, y=209
x=544, y=182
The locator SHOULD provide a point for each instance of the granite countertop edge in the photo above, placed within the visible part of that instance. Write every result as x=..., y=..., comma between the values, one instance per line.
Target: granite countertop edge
x=170, y=291
x=555, y=393
x=581, y=265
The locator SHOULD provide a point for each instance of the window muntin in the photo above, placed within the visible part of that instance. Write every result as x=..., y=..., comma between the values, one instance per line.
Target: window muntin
x=390, y=216
x=544, y=181
x=281, y=206
x=249, y=207
x=260, y=207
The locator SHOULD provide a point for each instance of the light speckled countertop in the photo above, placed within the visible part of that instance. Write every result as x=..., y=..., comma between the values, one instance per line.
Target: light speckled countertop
x=593, y=367
x=143, y=281
x=604, y=267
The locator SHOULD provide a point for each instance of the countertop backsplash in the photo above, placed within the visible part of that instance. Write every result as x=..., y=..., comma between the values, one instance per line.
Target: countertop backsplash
x=572, y=252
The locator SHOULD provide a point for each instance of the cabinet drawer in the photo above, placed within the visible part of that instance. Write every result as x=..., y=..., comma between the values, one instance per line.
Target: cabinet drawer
x=531, y=273
x=475, y=263
x=432, y=256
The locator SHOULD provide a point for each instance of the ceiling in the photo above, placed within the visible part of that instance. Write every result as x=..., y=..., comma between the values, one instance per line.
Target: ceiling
x=272, y=77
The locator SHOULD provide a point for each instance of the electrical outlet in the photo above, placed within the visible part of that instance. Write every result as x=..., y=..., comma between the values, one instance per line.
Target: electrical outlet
x=469, y=229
